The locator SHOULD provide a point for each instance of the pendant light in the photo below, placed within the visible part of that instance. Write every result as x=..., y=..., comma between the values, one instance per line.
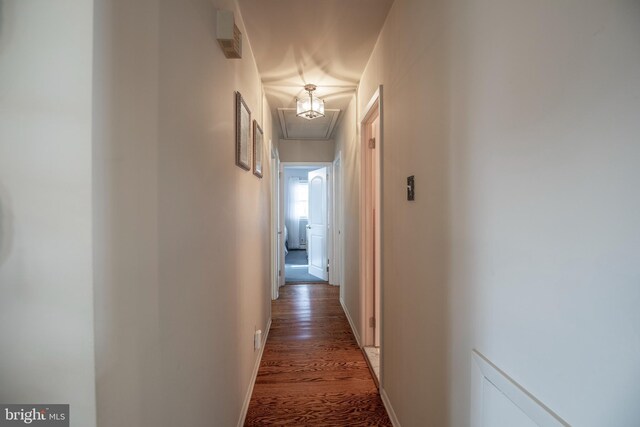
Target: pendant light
x=309, y=106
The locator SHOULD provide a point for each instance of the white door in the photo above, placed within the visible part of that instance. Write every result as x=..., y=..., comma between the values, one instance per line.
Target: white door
x=317, y=227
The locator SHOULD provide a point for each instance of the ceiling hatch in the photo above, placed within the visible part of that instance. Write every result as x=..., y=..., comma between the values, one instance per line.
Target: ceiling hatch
x=294, y=127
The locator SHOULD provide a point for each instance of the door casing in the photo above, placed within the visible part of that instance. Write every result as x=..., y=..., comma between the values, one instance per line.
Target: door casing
x=337, y=248
x=330, y=208
x=276, y=231
x=371, y=240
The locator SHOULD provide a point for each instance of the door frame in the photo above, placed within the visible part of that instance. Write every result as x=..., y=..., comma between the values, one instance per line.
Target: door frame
x=373, y=110
x=330, y=205
x=276, y=231
x=337, y=249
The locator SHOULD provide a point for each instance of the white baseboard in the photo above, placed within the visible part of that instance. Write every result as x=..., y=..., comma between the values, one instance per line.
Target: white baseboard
x=353, y=329
x=390, y=411
x=254, y=375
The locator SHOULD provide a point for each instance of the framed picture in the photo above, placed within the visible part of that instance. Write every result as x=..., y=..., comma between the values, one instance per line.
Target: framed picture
x=258, y=149
x=243, y=130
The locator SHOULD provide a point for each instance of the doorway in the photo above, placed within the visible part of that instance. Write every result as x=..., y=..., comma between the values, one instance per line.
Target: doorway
x=305, y=218
x=371, y=285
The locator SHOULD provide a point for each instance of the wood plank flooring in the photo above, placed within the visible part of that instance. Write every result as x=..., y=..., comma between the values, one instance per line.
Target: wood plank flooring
x=312, y=372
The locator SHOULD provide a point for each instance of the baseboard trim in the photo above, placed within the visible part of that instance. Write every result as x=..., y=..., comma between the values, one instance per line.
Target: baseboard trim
x=390, y=411
x=254, y=375
x=353, y=329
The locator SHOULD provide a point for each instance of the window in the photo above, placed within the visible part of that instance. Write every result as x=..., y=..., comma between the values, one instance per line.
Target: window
x=301, y=199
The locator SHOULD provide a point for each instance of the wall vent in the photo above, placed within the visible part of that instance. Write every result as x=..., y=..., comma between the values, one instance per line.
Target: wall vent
x=228, y=35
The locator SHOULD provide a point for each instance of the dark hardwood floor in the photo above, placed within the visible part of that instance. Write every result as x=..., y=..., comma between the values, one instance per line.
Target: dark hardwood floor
x=312, y=372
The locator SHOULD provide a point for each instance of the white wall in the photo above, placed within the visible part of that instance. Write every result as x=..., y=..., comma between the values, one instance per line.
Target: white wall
x=414, y=234
x=182, y=233
x=523, y=238
x=306, y=150
x=46, y=284
x=347, y=144
x=549, y=220
x=129, y=384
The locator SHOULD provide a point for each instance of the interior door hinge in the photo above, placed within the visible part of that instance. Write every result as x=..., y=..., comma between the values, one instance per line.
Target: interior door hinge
x=372, y=143
x=279, y=273
x=372, y=322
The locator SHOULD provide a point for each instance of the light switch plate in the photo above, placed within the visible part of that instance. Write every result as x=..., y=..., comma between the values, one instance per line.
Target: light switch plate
x=411, y=191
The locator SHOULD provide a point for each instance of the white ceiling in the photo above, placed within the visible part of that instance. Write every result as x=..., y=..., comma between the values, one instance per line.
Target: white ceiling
x=324, y=42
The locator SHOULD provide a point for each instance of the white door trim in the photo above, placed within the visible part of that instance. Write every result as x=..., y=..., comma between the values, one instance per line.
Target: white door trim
x=276, y=230
x=372, y=111
x=337, y=249
x=329, y=166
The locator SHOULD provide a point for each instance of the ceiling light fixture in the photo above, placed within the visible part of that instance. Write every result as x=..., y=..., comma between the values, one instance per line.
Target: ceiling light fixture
x=309, y=107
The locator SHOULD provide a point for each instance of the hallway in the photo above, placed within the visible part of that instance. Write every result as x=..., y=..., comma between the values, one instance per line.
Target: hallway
x=312, y=371
x=477, y=219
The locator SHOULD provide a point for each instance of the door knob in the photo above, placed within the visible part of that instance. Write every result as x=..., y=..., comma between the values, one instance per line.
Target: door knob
x=309, y=227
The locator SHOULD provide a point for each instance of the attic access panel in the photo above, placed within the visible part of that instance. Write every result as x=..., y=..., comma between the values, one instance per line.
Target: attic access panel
x=294, y=127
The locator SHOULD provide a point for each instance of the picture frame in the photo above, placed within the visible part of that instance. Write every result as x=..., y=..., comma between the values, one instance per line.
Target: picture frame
x=258, y=149
x=243, y=133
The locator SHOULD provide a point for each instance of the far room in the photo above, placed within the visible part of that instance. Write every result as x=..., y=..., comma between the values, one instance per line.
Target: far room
x=305, y=223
